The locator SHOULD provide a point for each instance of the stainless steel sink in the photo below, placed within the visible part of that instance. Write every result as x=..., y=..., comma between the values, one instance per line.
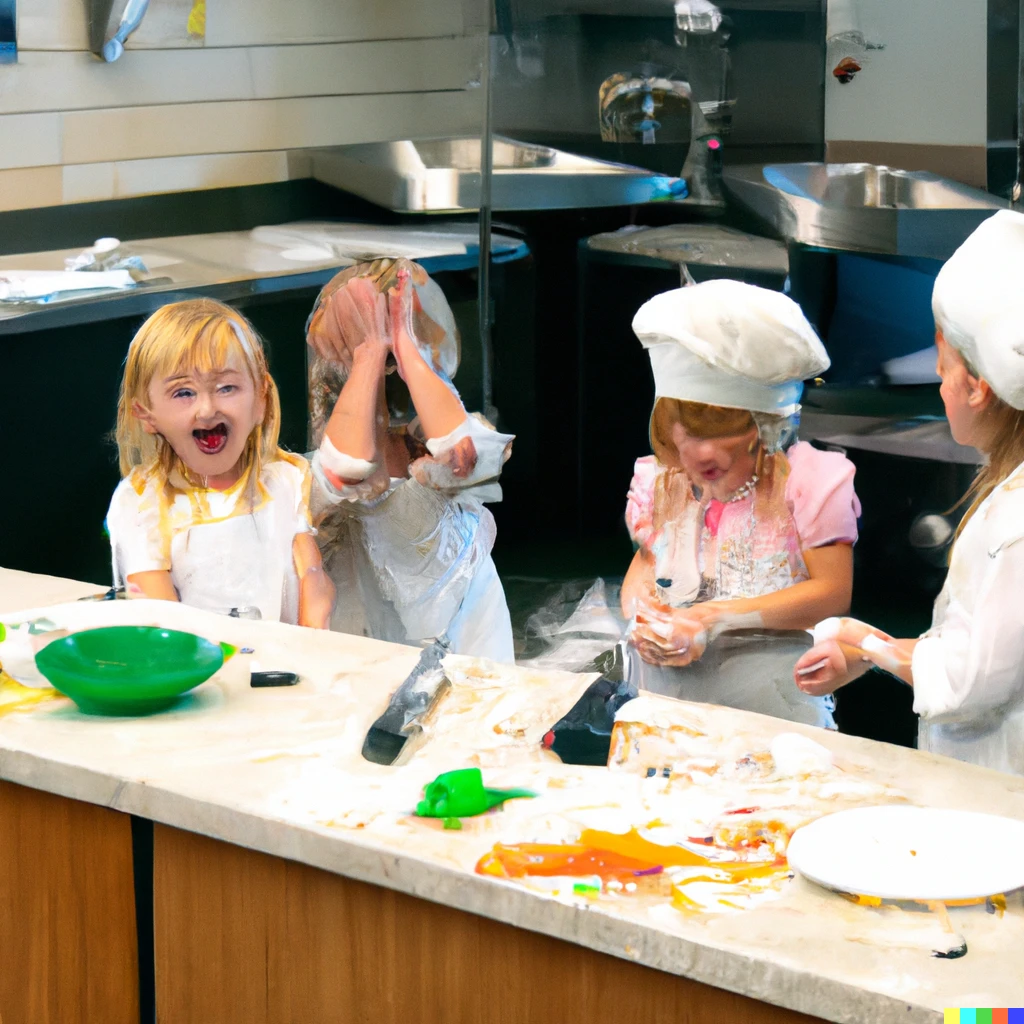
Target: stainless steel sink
x=464, y=154
x=443, y=176
x=862, y=207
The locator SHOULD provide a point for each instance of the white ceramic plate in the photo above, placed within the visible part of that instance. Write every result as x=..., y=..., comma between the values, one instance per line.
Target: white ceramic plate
x=912, y=853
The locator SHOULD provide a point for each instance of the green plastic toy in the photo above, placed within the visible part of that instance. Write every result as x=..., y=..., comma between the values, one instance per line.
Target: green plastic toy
x=129, y=670
x=462, y=794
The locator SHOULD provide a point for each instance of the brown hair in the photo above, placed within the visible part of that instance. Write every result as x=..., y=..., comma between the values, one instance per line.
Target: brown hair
x=712, y=421
x=698, y=420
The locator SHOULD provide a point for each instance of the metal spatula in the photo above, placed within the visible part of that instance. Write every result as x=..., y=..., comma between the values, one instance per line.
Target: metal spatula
x=409, y=706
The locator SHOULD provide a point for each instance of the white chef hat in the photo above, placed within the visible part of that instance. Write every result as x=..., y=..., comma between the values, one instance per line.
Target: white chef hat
x=730, y=344
x=978, y=302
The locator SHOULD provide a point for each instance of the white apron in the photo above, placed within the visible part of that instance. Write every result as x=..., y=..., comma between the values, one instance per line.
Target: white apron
x=240, y=562
x=220, y=559
x=414, y=564
x=748, y=557
x=751, y=670
x=483, y=627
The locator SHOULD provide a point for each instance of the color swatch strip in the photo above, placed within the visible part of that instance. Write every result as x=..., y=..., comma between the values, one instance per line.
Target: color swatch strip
x=1013, y=1015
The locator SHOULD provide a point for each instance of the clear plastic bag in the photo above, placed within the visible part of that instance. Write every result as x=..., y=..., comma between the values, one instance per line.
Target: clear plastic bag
x=579, y=628
x=575, y=629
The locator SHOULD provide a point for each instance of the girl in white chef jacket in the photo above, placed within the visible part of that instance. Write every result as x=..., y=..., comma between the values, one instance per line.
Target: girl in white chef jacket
x=405, y=470
x=210, y=511
x=967, y=671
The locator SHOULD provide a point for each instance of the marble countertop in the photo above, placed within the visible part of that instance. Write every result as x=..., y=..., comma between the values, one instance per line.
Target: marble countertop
x=279, y=770
x=29, y=590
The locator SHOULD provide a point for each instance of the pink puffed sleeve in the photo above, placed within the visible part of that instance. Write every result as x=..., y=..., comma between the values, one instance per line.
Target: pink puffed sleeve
x=820, y=493
x=640, y=502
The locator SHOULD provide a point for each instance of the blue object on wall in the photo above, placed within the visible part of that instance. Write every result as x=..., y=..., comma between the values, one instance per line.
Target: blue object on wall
x=883, y=310
x=8, y=32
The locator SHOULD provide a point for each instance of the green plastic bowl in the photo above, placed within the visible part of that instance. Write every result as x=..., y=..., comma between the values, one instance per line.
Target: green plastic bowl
x=129, y=670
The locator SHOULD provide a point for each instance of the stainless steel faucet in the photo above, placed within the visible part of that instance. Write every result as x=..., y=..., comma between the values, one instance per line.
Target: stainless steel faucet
x=650, y=106
x=702, y=170
x=702, y=29
x=645, y=107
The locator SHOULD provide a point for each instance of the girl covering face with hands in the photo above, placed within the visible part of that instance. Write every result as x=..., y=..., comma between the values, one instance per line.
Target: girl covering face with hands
x=406, y=537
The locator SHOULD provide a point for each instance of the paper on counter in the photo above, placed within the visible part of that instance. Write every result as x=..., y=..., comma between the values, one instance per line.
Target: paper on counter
x=361, y=241
x=27, y=285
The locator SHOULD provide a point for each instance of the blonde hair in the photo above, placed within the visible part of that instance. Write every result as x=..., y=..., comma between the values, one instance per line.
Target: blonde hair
x=1005, y=453
x=199, y=334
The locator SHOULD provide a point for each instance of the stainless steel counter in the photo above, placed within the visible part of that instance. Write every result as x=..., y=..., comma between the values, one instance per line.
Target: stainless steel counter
x=919, y=438
x=708, y=245
x=230, y=265
x=862, y=207
x=443, y=175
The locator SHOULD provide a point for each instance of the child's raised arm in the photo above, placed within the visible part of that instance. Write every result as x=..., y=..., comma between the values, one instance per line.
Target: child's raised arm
x=441, y=413
x=351, y=450
x=440, y=410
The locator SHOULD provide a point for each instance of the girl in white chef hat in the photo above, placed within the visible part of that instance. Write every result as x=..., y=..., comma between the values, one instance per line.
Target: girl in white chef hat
x=967, y=671
x=738, y=526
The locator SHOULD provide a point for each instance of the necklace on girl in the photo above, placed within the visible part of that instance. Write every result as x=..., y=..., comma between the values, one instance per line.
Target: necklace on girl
x=743, y=490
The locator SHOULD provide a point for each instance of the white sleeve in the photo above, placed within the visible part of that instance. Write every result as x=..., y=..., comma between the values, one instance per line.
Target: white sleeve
x=492, y=452
x=974, y=661
x=342, y=465
x=137, y=542
x=325, y=495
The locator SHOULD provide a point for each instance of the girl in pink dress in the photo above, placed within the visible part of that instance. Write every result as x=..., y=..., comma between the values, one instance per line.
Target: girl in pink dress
x=744, y=535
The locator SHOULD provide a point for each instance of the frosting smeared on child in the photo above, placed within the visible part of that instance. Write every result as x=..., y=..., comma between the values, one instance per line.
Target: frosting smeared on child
x=738, y=526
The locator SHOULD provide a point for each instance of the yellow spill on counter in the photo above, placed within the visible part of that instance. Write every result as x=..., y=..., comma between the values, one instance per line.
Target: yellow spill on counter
x=626, y=861
x=16, y=697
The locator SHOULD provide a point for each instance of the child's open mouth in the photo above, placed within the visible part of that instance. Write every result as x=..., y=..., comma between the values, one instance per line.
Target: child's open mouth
x=211, y=441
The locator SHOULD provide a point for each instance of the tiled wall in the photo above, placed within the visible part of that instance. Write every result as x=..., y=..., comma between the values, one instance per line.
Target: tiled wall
x=235, y=106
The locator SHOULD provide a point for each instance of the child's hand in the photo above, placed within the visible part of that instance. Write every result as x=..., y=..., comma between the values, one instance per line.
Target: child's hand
x=666, y=636
x=847, y=631
x=356, y=315
x=880, y=649
x=445, y=471
x=401, y=300
x=437, y=404
x=822, y=669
